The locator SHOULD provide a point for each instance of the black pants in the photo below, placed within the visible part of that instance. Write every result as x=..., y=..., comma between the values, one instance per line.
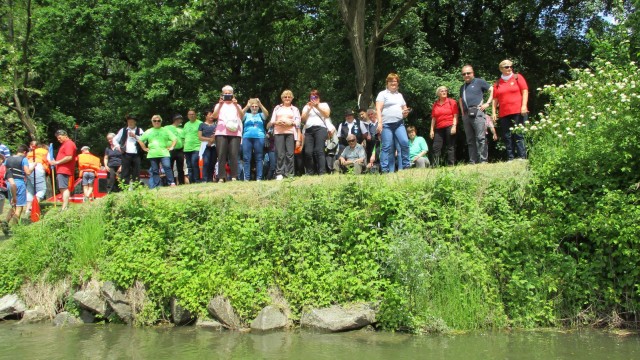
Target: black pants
x=130, y=168
x=111, y=179
x=228, y=148
x=444, y=136
x=314, y=159
x=177, y=158
x=285, y=145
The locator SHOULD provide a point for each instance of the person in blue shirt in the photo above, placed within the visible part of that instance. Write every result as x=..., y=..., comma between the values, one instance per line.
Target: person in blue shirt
x=253, y=136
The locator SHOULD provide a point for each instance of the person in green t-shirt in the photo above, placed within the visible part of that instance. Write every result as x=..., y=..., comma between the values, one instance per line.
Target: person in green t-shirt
x=177, y=154
x=417, y=149
x=161, y=141
x=192, y=146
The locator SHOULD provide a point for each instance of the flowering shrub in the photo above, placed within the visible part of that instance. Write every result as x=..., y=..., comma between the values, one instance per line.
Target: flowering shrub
x=585, y=156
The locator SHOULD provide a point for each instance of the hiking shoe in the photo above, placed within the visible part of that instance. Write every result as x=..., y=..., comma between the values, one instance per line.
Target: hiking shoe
x=5, y=228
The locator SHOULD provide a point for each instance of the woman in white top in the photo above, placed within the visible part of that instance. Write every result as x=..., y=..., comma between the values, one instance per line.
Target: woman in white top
x=391, y=111
x=317, y=128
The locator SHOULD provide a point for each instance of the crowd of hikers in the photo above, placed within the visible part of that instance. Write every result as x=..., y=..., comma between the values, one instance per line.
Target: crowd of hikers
x=236, y=142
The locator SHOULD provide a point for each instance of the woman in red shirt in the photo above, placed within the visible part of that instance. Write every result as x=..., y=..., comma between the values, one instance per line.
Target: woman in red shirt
x=511, y=95
x=444, y=119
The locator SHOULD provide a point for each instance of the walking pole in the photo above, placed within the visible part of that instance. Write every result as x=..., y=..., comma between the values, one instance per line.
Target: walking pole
x=53, y=175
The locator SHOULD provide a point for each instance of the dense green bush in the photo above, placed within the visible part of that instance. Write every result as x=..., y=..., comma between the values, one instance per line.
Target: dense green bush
x=586, y=161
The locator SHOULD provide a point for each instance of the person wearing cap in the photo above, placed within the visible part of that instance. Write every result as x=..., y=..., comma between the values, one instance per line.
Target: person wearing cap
x=89, y=165
x=354, y=126
x=177, y=154
x=353, y=156
x=65, y=164
x=127, y=138
x=161, y=141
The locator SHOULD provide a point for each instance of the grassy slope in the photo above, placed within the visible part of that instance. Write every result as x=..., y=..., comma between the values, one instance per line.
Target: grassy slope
x=210, y=238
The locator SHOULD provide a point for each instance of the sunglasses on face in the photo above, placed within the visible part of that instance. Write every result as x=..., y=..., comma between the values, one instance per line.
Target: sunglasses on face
x=466, y=73
x=156, y=121
x=507, y=67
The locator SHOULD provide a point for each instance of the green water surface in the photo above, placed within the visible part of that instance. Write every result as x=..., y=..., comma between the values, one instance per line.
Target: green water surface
x=123, y=342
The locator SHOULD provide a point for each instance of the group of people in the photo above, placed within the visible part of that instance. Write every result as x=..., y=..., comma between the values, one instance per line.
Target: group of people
x=23, y=175
x=508, y=98
x=243, y=143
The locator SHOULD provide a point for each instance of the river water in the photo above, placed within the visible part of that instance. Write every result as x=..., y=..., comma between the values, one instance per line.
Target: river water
x=122, y=342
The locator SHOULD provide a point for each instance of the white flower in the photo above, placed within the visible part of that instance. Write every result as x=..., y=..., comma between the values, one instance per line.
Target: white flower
x=560, y=136
x=534, y=128
x=511, y=129
x=568, y=129
x=589, y=95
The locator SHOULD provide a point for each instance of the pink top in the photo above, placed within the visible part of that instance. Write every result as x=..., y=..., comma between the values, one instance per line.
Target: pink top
x=289, y=114
x=228, y=113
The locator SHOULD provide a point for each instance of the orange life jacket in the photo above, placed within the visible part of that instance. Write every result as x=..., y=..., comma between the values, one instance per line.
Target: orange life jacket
x=41, y=157
x=89, y=163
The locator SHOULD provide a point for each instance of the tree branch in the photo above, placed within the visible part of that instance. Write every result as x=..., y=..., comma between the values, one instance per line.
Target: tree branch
x=388, y=26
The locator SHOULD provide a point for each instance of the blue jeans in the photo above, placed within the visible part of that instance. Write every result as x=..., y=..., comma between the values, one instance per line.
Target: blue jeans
x=155, y=171
x=393, y=133
x=256, y=146
x=209, y=158
x=271, y=165
x=192, y=164
x=508, y=137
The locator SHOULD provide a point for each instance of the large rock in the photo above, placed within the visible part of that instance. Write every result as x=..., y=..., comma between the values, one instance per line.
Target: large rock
x=269, y=318
x=87, y=316
x=209, y=323
x=117, y=301
x=65, y=318
x=338, y=318
x=220, y=308
x=33, y=316
x=180, y=315
x=11, y=305
x=92, y=301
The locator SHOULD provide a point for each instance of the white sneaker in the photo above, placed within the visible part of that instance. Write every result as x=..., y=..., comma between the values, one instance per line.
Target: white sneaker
x=279, y=177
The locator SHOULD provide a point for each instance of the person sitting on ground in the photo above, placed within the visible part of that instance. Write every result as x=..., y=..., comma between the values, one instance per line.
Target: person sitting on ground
x=417, y=149
x=353, y=156
x=89, y=165
x=354, y=126
x=18, y=169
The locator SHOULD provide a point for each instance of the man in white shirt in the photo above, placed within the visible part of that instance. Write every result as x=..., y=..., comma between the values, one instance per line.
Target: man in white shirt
x=127, y=137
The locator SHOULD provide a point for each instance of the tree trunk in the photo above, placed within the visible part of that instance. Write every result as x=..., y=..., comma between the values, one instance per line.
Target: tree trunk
x=364, y=52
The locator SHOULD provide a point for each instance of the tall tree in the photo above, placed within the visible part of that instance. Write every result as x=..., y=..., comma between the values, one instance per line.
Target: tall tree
x=15, y=65
x=365, y=37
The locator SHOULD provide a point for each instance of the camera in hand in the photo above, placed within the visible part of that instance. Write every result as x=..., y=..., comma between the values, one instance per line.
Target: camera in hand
x=227, y=97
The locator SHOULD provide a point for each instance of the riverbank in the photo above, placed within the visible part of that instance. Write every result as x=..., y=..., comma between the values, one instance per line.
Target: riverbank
x=427, y=250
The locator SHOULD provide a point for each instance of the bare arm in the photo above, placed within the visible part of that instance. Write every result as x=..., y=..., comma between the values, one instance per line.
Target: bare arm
x=379, y=105
x=525, y=101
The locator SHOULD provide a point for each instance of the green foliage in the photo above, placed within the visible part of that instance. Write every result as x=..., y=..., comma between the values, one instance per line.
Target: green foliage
x=585, y=162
